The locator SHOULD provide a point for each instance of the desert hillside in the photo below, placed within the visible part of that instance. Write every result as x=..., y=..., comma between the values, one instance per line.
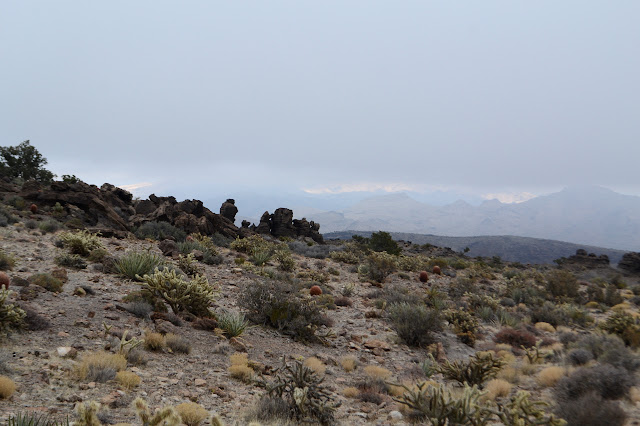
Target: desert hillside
x=269, y=324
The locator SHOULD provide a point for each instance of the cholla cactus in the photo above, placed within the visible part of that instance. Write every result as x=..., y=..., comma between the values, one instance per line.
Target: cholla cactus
x=167, y=416
x=193, y=296
x=11, y=316
x=87, y=413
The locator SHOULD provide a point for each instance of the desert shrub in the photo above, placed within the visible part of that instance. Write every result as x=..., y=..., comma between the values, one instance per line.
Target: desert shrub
x=160, y=231
x=608, y=349
x=7, y=262
x=68, y=260
x=382, y=241
x=194, y=296
x=550, y=314
x=154, y=341
x=316, y=251
x=561, y=283
x=393, y=294
x=136, y=357
x=47, y=281
x=6, y=217
x=515, y=338
x=232, y=323
x=481, y=367
x=591, y=409
x=316, y=365
x=415, y=324
x=285, y=260
x=80, y=242
x=100, y=366
x=139, y=308
x=270, y=410
x=549, y=376
x=348, y=363
x=377, y=266
x=276, y=304
x=31, y=224
x=497, y=388
x=606, y=380
x=251, y=244
x=177, y=344
x=11, y=316
x=127, y=379
x=577, y=315
x=7, y=387
x=303, y=391
x=191, y=413
x=579, y=356
x=624, y=325
x=204, y=244
x=134, y=264
x=348, y=256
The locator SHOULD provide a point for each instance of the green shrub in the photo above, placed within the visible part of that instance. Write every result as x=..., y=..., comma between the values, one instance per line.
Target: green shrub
x=415, y=324
x=160, y=231
x=194, y=296
x=551, y=314
x=47, y=281
x=277, y=304
x=70, y=261
x=625, y=326
x=11, y=316
x=49, y=225
x=285, y=260
x=561, y=283
x=81, y=242
x=378, y=266
x=382, y=241
x=608, y=349
x=606, y=380
x=135, y=264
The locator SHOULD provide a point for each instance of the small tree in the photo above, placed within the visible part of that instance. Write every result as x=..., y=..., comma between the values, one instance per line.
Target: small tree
x=382, y=241
x=24, y=162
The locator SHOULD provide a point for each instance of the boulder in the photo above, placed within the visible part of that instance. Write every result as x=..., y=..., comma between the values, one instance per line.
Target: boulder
x=630, y=262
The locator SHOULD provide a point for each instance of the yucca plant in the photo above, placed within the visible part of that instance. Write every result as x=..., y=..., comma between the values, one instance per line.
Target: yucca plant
x=138, y=263
x=33, y=419
x=233, y=324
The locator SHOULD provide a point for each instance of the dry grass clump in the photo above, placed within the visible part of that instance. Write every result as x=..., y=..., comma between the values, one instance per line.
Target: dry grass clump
x=510, y=374
x=100, y=366
x=349, y=363
x=191, y=413
x=316, y=365
x=376, y=372
x=545, y=326
x=350, y=392
x=177, y=344
x=497, y=388
x=7, y=387
x=127, y=379
x=634, y=394
x=239, y=368
x=550, y=375
x=154, y=341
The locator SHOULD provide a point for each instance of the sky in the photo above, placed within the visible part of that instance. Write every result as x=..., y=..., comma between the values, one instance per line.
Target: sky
x=206, y=99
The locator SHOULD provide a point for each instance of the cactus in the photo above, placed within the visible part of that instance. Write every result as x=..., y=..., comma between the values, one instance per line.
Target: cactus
x=11, y=316
x=166, y=416
x=87, y=413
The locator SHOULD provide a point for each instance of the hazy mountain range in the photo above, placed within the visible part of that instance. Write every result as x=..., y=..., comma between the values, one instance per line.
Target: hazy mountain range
x=589, y=215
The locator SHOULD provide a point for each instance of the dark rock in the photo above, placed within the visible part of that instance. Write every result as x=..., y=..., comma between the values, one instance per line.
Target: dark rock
x=145, y=207
x=588, y=260
x=229, y=210
x=264, y=227
x=630, y=262
x=168, y=247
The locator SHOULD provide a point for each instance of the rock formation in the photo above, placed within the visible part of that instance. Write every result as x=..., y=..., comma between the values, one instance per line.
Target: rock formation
x=229, y=210
x=589, y=260
x=282, y=224
x=630, y=262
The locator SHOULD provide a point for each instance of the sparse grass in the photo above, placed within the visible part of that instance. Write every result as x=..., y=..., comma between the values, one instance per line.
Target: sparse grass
x=316, y=365
x=376, y=372
x=350, y=392
x=100, y=366
x=177, y=344
x=135, y=264
x=154, y=341
x=545, y=326
x=7, y=387
x=549, y=376
x=348, y=363
x=191, y=413
x=497, y=388
x=49, y=226
x=128, y=379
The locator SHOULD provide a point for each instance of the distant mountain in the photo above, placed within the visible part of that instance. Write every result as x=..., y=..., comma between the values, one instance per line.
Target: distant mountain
x=511, y=248
x=586, y=215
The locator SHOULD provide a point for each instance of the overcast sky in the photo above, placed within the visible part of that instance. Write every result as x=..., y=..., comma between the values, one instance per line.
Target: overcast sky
x=199, y=96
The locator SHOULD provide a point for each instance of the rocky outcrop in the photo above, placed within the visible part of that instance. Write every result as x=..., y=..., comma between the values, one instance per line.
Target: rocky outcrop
x=229, y=210
x=588, y=260
x=630, y=262
x=282, y=224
